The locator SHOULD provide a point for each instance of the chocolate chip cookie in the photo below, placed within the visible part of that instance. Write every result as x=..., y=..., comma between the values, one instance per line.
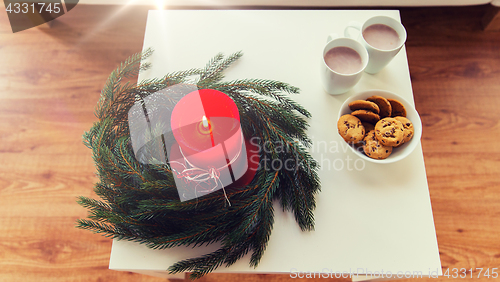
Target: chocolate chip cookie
x=368, y=126
x=389, y=131
x=366, y=116
x=408, y=129
x=383, y=105
x=397, y=108
x=374, y=149
x=364, y=105
x=350, y=128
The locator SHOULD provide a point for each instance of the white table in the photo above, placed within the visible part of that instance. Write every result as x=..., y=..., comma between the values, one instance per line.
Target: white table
x=369, y=217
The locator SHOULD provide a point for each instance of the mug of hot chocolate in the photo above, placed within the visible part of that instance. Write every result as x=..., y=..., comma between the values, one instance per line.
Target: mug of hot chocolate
x=344, y=60
x=382, y=36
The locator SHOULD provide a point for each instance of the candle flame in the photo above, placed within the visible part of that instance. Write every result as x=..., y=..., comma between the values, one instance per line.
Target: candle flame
x=204, y=120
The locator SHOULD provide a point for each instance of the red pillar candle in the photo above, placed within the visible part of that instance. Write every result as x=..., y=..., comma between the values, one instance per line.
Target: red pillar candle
x=206, y=126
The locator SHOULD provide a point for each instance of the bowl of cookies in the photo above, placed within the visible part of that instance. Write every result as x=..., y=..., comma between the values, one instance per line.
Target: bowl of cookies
x=380, y=126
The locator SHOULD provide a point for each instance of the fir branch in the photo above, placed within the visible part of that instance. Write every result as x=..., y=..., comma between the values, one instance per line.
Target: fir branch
x=108, y=230
x=201, y=265
x=131, y=67
x=140, y=202
x=213, y=71
x=270, y=88
x=93, y=205
x=262, y=235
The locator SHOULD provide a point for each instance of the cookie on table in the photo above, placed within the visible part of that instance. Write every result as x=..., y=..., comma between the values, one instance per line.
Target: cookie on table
x=364, y=105
x=383, y=105
x=397, y=108
x=366, y=116
x=389, y=131
x=374, y=149
x=350, y=128
x=408, y=129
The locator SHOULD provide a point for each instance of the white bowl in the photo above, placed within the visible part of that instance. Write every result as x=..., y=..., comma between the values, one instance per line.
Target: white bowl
x=402, y=151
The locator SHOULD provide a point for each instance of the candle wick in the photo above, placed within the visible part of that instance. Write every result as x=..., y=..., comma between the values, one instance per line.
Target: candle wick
x=204, y=120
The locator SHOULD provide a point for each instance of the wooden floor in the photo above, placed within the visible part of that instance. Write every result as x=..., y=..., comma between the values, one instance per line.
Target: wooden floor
x=50, y=81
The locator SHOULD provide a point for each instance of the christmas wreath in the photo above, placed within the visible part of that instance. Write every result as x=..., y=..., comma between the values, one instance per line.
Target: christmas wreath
x=139, y=202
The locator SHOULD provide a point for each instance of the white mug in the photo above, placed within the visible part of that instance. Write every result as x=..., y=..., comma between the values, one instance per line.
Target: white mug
x=382, y=46
x=337, y=81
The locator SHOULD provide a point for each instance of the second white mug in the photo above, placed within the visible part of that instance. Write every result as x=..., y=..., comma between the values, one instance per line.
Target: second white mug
x=382, y=36
x=343, y=62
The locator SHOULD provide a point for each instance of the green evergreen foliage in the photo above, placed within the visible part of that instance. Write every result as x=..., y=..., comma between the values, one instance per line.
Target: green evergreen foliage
x=140, y=202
